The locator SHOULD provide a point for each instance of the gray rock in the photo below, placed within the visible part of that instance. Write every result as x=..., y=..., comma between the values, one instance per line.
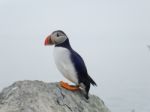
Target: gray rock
x=38, y=96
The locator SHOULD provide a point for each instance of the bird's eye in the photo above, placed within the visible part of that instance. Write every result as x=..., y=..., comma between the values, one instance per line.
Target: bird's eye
x=58, y=35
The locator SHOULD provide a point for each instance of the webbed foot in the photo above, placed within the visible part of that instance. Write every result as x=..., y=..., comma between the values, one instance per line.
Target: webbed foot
x=69, y=87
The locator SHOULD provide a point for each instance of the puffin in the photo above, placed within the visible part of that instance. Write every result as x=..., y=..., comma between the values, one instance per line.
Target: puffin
x=70, y=64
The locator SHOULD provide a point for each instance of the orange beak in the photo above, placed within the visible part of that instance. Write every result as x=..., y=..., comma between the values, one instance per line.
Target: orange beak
x=48, y=41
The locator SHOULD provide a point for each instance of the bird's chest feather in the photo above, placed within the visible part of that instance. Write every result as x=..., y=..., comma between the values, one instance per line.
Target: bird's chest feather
x=64, y=63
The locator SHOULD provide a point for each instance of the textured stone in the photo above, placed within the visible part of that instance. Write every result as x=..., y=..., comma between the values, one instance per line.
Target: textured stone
x=38, y=96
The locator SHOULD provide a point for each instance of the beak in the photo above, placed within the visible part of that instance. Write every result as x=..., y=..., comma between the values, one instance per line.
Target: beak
x=48, y=41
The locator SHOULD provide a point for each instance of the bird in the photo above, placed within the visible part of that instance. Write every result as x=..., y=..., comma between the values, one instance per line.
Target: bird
x=70, y=64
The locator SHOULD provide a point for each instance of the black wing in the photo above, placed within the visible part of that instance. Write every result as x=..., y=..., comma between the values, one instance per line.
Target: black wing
x=81, y=68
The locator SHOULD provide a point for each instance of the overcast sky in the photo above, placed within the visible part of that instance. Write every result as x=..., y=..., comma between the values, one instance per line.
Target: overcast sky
x=111, y=35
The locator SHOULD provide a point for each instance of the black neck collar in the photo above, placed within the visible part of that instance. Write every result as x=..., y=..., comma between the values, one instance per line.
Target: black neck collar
x=65, y=44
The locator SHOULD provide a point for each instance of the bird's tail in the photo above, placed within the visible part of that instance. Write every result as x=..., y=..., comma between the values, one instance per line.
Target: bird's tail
x=92, y=81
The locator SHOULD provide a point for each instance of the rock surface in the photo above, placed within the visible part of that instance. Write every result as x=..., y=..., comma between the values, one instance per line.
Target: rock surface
x=37, y=96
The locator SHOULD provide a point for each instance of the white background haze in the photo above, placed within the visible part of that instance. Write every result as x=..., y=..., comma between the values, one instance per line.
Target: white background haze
x=111, y=35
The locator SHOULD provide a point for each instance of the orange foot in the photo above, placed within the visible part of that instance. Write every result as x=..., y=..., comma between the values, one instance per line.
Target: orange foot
x=68, y=87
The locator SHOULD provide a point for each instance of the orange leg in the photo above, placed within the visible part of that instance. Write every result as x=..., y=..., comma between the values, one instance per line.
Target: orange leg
x=68, y=87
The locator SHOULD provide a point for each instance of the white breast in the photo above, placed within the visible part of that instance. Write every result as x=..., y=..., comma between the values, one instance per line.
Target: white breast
x=64, y=64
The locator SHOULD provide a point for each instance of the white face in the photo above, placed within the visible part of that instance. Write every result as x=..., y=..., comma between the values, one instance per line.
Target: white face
x=58, y=37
